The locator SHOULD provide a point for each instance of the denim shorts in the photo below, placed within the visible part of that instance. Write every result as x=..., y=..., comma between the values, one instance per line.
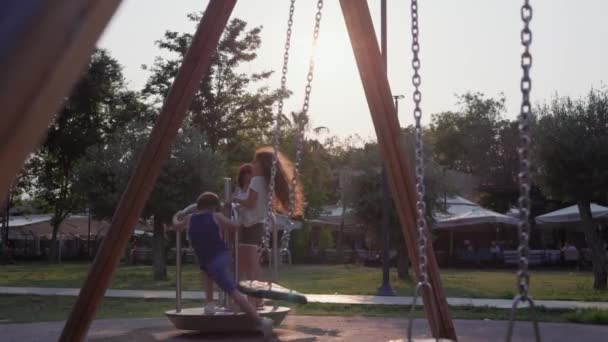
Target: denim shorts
x=218, y=270
x=251, y=235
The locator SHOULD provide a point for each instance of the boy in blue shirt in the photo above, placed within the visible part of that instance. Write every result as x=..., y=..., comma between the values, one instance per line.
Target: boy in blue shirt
x=205, y=229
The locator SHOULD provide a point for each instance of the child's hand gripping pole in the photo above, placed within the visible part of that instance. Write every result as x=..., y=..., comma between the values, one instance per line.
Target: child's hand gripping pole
x=178, y=218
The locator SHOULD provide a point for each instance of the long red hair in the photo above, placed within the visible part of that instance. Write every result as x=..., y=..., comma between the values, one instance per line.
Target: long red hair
x=285, y=173
x=245, y=169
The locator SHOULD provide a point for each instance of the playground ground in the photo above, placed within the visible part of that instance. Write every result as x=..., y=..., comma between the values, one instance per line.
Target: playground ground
x=28, y=317
x=306, y=329
x=350, y=279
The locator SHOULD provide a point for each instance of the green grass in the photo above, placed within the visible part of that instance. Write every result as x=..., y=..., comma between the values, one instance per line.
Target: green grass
x=476, y=313
x=54, y=308
x=22, y=309
x=325, y=279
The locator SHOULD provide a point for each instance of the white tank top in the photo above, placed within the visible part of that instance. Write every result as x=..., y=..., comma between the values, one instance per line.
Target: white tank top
x=256, y=214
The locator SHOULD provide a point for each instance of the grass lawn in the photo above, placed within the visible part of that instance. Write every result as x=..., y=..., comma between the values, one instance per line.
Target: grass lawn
x=40, y=308
x=324, y=279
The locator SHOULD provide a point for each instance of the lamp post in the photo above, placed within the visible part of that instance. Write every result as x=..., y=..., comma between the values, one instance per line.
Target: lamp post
x=88, y=211
x=397, y=98
x=385, y=289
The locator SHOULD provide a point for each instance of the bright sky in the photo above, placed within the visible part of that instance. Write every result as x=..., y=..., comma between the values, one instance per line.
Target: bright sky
x=466, y=45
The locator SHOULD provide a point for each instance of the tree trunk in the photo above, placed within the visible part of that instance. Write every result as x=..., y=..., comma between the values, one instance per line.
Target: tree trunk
x=339, y=245
x=5, y=257
x=158, y=251
x=403, y=263
x=54, y=250
x=596, y=246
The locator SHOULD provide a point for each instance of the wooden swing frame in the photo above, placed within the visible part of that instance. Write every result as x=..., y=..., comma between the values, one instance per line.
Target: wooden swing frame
x=43, y=54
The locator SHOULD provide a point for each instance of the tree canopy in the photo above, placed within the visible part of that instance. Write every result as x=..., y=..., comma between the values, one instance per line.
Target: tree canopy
x=227, y=106
x=571, y=152
x=478, y=140
x=572, y=147
x=98, y=106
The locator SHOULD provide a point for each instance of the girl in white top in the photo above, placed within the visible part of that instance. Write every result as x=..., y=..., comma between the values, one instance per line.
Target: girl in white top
x=255, y=205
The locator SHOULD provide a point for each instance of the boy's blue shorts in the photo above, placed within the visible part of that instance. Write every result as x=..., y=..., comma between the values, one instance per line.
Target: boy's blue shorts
x=218, y=270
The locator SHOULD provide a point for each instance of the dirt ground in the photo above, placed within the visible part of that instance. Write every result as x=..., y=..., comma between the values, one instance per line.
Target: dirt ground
x=305, y=329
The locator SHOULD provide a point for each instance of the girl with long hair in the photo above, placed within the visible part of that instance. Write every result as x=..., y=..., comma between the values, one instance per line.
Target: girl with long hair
x=255, y=205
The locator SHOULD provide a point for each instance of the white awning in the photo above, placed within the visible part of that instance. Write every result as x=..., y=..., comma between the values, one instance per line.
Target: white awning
x=570, y=215
x=462, y=213
x=21, y=221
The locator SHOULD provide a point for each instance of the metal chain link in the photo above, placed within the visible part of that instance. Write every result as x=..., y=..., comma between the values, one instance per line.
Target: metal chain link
x=277, y=131
x=523, y=278
x=419, y=153
x=525, y=119
x=421, y=223
x=302, y=121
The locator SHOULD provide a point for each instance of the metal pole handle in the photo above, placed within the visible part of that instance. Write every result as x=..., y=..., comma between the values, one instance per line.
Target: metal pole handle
x=236, y=246
x=227, y=196
x=275, y=252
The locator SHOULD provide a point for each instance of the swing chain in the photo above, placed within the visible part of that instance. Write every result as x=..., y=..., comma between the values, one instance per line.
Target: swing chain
x=277, y=129
x=523, y=278
x=302, y=121
x=524, y=201
x=421, y=223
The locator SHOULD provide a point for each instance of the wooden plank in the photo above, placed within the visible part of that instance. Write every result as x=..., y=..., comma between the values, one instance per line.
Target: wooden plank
x=377, y=90
x=195, y=65
x=45, y=46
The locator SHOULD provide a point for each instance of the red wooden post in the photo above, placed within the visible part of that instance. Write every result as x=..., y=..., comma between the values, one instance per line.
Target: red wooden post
x=379, y=98
x=195, y=65
x=46, y=45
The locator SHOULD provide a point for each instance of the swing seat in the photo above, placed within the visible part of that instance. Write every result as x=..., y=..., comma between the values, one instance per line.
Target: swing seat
x=260, y=289
x=285, y=223
x=423, y=340
x=195, y=319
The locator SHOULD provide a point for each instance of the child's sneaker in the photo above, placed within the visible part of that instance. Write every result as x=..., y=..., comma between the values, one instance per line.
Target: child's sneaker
x=210, y=309
x=265, y=326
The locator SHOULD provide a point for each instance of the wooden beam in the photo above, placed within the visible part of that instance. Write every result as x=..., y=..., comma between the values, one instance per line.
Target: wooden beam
x=195, y=65
x=45, y=45
x=379, y=98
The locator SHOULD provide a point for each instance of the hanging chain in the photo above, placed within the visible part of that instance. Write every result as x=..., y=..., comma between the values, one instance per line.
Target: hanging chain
x=525, y=119
x=302, y=121
x=421, y=223
x=420, y=191
x=523, y=278
x=277, y=131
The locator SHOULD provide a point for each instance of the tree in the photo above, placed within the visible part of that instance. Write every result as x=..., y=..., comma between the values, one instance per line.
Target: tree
x=226, y=107
x=477, y=140
x=466, y=140
x=8, y=204
x=365, y=195
x=316, y=174
x=98, y=105
x=571, y=150
x=189, y=171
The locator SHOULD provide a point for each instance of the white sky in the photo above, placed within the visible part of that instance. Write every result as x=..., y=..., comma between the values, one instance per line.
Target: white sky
x=465, y=45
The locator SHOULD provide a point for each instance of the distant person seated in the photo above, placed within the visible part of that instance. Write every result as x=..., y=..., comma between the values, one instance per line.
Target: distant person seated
x=568, y=247
x=11, y=251
x=496, y=252
x=470, y=255
x=570, y=254
x=469, y=246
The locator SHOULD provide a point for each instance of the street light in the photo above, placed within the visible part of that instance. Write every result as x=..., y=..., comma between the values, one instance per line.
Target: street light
x=88, y=211
x=385, y=289
x=397, y=98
